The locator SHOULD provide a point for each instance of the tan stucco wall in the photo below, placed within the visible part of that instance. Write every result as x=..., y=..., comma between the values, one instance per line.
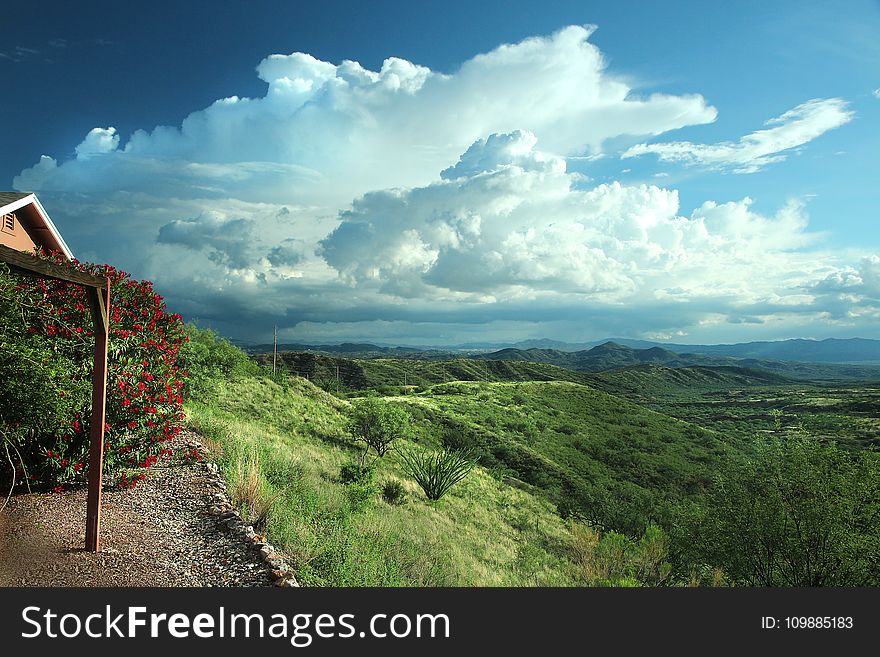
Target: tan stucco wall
x=19, y=239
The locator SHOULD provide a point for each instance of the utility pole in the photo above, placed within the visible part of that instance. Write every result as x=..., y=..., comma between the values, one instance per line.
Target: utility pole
x=274, y=348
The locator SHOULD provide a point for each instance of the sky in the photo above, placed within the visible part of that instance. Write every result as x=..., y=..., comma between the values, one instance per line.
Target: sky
x=444, y=173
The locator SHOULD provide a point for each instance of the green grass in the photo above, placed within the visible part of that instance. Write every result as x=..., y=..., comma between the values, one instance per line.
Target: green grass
x=482, y=533
x=599, y=456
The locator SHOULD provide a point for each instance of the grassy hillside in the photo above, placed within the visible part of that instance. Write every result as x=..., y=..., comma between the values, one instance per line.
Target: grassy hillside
x=283, y=444
x=291, y=440
x=647, y=382
x=390, y=375
x=593, y=454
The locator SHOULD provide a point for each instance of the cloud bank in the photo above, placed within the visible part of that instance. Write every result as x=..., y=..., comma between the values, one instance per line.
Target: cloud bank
x=417, y=206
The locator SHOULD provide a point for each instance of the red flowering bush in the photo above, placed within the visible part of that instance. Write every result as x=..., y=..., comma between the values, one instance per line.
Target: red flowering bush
x=55, y=340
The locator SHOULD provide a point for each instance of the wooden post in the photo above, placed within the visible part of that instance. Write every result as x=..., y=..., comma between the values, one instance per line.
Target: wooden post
x=100, y=305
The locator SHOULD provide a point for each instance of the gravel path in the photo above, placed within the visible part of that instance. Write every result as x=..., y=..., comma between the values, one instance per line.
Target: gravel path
x=162, y=533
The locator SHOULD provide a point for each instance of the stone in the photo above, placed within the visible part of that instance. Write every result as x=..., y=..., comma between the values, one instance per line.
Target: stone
x=265, y=551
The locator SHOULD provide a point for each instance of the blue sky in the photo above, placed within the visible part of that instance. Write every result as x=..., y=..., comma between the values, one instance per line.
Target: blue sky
x=698, y=172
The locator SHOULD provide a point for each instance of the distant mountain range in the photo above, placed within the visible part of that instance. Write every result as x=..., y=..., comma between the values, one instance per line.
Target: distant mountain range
x=855, y=358
x=831, y=350
x=612, y=356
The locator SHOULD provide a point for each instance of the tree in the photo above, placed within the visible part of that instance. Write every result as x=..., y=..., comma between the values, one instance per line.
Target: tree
x=378, y=424
x=800, y=513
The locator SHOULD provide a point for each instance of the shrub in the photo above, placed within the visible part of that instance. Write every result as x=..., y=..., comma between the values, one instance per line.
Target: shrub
x=210, y=358
x=393, y=492
x=437, y=472
x=360, y=495
x=46, y=367
x=612, y=559
x=356, y=473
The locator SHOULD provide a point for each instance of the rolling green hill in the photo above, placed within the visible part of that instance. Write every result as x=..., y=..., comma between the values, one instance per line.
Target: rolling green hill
x=592, y=453
x=649, y=381
x=391, y=374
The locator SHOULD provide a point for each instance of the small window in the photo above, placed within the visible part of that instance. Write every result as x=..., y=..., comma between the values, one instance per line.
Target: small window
x=8, y=223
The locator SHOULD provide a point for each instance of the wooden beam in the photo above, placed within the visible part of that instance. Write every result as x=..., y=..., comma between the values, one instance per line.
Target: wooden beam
x=24, y=263
x=99, y=300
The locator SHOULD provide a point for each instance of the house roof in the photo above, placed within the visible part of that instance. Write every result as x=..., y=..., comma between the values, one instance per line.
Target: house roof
x=28, y=205
x=11, y=197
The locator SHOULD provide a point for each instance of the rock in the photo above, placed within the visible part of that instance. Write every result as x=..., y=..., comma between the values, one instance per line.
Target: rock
x=249, y=533
x=265, y=551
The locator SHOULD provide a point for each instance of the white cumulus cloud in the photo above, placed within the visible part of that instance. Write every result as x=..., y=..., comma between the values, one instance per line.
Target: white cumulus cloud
x=329, y=132
x=99, y=141
x=507, y=231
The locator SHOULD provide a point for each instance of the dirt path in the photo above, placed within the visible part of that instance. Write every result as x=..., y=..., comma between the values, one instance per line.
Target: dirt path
x=159, y=534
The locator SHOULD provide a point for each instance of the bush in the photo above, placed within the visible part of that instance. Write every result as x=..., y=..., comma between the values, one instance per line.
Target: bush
x=612, y=559
x=393, y=492
x=360, y=487
x=47, y=348
x=356, y=473
x=210, y=358
x=437, y=472
x=360, y=495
